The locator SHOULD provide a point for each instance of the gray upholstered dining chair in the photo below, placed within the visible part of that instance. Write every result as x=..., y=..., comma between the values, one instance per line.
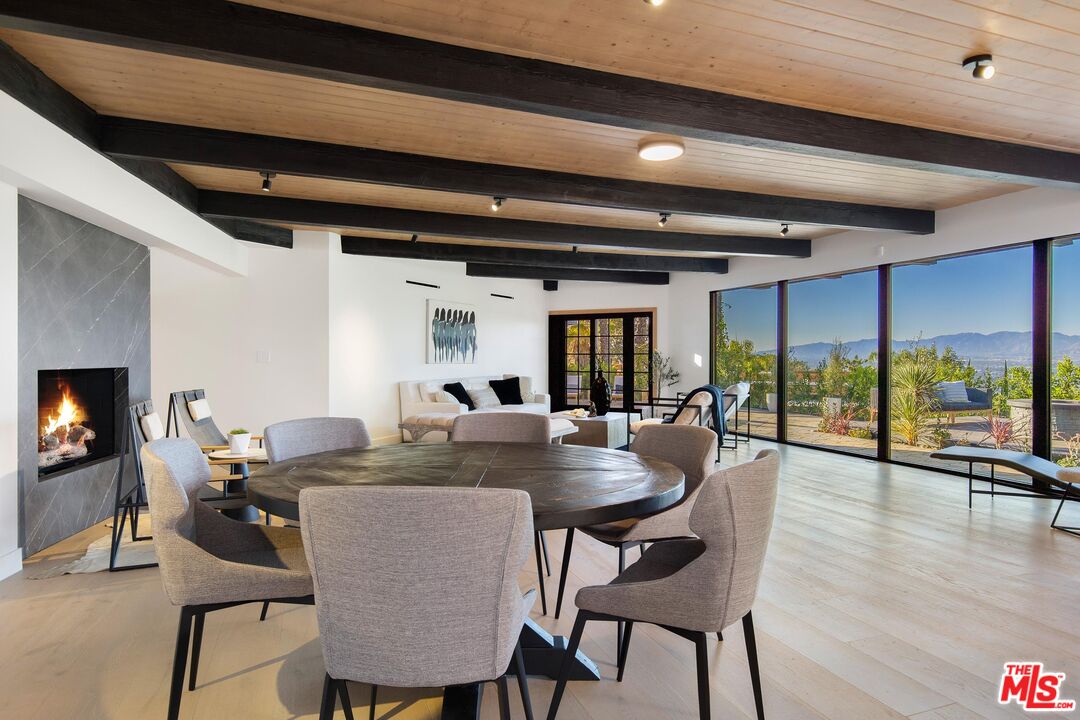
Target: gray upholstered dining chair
x=209, y=562
x=417, y=587
x=307, y=436
x=501, y=427
x=692, y=449
x=510, y=427
x=698, y=585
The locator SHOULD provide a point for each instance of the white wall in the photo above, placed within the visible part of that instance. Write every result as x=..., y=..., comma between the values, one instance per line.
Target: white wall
x=616, y=296
x=210, y=330
x=10, y=554
x=1014, y=218
x=378, y=332
x=47, y=164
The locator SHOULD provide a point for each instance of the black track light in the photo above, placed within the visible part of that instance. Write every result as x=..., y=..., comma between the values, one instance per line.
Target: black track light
x=785, y=229
x=981, y=66
x=664, y=217
x=268, y=180
x=496, y=203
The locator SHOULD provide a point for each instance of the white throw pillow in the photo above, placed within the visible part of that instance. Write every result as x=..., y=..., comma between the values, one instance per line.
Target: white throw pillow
x=199, y=409
x=151, y=427
x=445, y=397
x=952, y=392
x=484, y=397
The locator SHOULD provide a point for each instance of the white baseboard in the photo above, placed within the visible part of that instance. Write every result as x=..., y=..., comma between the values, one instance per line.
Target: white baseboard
x=387, y=439
x=10, y=563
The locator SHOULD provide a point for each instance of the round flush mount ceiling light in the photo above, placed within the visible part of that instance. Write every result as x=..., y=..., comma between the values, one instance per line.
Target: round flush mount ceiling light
x=657, y=148
x=981, y=66
x=654, y=3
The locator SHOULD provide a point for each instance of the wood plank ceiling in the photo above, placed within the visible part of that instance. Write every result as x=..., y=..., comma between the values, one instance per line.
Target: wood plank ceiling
x=891, y=60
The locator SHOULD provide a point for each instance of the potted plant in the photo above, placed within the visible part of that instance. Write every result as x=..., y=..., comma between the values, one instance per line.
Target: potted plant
x=239, y=440
x=664, y=373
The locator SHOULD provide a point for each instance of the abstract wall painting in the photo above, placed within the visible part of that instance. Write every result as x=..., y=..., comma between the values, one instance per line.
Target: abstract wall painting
x=451, y=330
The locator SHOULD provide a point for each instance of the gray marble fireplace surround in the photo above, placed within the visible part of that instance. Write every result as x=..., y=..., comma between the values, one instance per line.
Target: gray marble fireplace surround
x=84, y=302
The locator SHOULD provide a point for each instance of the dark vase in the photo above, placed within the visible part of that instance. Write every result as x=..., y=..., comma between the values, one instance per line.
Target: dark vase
x=601, y=394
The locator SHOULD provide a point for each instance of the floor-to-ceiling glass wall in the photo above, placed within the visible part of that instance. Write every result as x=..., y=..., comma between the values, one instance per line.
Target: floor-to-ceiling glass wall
x=744, y=350
x=1065, y=353
x=962, y=354
x=832, y=370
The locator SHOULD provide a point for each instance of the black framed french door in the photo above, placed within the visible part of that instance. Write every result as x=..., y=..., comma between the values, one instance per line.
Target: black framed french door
x=618, y=344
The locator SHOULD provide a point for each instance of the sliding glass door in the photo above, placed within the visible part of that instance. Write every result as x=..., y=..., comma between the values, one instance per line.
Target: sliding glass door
x=617, y=345
x=832, y=372
x=744, y=350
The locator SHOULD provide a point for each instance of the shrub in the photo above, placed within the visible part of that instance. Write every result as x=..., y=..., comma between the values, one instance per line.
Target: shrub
x=861, y=433
x=1071, y=458
x=837, y=422
x=914, y=404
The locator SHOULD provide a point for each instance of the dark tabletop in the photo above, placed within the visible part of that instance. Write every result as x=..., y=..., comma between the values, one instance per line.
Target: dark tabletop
x=570, y=485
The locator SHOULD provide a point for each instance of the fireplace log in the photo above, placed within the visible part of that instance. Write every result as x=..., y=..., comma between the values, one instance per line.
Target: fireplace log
x=50, y=442
x=80, y=434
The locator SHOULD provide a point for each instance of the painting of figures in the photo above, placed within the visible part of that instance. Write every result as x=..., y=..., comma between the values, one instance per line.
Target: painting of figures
x=451, y=329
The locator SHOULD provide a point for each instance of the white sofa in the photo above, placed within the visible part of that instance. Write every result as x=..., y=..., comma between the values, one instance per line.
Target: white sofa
x=417, y=398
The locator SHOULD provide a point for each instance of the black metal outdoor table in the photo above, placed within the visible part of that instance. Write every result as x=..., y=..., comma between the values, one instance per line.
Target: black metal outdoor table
x=570, y=486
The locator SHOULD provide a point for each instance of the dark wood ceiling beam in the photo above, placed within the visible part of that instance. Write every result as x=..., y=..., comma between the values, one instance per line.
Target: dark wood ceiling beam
x=540, y=273
x=244, y=151
x=26, y=83
x=275, y=209
x=271, y=40
x=380, y=247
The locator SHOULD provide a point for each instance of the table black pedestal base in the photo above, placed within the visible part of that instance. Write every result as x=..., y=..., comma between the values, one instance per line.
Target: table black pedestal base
x=543, y=654
x=245, y=513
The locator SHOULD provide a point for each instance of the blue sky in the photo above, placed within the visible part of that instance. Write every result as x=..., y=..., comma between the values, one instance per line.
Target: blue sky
x=983, y=293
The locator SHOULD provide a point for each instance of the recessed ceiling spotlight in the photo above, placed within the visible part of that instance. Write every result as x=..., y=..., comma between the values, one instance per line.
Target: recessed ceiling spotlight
x=657, y=148
x=654, y=3
x=268, y=178
x=981, y=66
x=496, y=203
x=785, y=229
x=662, y=220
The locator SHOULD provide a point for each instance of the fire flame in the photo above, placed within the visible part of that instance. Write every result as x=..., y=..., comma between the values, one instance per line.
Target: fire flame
x=68, y=414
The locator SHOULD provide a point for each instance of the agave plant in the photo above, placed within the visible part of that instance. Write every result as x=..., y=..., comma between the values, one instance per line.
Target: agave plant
x=914, y=404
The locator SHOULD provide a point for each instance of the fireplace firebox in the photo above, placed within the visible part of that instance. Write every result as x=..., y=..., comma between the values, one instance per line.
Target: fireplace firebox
x=80, y=416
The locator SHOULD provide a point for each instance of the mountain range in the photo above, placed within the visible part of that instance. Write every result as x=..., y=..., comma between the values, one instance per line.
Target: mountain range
x=981, y=349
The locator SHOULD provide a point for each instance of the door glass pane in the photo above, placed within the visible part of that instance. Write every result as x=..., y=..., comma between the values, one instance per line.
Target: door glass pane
x=577, y=362
x=744, y=348
x=961, y=361
x=832, y=362
x=1065, y=354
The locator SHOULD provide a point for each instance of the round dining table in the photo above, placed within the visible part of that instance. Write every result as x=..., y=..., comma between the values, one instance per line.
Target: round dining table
x=570, y=486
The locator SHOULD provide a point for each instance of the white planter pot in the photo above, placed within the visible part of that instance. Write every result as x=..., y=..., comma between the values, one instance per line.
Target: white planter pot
x=770, y=402
x=238, y=444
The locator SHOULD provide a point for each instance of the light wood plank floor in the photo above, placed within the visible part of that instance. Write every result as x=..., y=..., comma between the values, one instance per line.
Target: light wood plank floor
x=883, y=597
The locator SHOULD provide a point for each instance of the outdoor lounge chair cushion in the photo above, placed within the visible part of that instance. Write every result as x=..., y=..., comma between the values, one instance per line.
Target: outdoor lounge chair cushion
x=152, y=428
x=199, y=409
x=952, y=392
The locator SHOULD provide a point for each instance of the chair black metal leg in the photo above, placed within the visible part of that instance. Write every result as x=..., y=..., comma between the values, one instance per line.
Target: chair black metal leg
x=971, y=477
x=751, y=657
x=624, y=648
x=540, y=575
x=374, y=695
x=346, y=702
x=523, y=681
x=196, y=646
x=619, y=625
x=329, y=699
x=183, y=639
x=1053, y=523
x=547, y=560
x=704, y=706
x=265, y=607
x=565, y=569
x=504, y=698
x=568, y=661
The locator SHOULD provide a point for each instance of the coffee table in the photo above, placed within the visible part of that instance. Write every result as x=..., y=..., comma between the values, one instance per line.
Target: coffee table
x=606, y=431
